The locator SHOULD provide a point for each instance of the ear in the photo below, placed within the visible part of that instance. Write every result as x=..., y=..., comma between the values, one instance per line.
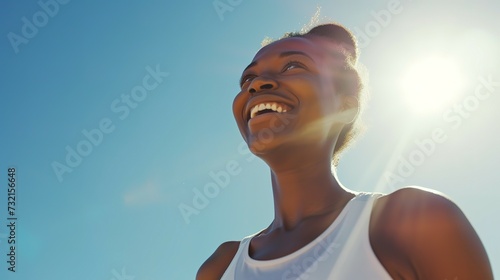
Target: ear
x=349, y=109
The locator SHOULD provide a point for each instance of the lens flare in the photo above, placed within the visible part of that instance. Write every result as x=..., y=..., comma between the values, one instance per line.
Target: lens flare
x=432, y=83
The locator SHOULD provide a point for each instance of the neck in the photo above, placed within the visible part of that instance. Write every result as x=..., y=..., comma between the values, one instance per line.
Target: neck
x=305, y=189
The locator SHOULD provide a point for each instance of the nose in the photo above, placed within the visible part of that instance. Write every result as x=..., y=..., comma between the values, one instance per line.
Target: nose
x=261, y=83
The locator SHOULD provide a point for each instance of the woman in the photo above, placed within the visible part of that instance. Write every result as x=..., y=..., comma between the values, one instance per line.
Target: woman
x=297, y=109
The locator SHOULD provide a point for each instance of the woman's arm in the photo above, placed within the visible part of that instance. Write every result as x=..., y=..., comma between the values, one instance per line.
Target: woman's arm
x=215, y=266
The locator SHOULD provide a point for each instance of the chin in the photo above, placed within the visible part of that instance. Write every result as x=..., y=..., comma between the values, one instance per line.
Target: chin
x=262, y=147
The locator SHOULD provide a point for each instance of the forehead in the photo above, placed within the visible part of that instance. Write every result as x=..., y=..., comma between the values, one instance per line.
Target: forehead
x=316, y=47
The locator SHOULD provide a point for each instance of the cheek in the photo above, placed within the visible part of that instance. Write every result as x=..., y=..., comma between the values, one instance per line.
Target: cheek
x=328, y=91
x=238, y=104
x=320, y=92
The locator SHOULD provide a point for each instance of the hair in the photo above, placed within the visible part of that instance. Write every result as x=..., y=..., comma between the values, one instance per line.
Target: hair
x=349, y=82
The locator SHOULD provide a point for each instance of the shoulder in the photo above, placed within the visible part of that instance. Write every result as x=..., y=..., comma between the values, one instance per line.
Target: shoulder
x=215, y=266
x=412, y=213
x=430, y=232
x=415, y=203
x=417, y=211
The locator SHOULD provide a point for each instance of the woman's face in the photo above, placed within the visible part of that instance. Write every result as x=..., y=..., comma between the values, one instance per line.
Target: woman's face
x=288, y=94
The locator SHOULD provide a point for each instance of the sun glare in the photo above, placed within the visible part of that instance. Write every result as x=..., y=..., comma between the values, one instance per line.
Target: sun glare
x=432, y=83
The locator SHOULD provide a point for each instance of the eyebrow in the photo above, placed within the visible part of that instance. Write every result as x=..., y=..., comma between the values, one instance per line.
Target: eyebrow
x=250, y=65
x=283, y=54
x=289, y=53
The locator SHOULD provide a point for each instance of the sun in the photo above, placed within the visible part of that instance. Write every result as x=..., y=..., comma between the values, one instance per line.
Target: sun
x=431, y=83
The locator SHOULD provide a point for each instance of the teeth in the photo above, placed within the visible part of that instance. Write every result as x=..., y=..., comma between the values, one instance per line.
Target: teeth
x=253, y=111
x=263, y=106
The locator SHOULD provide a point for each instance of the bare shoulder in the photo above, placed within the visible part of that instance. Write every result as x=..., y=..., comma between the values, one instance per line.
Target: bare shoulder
x=416, y=211
x=421, y=233
x=413, y=212
x=407, y=202
x=215, y=266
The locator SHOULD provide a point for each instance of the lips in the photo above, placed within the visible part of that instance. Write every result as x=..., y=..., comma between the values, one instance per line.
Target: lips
x=266, y=104
x=267, y=107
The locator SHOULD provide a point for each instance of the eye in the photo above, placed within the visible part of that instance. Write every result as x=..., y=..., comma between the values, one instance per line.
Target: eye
x=292, y=65
x=246, y=79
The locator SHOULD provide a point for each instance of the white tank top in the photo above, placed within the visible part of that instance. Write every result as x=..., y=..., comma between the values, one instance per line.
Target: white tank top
x=341, y=252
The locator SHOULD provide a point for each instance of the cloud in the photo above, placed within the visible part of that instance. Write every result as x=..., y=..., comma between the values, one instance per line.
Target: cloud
x=147, y=193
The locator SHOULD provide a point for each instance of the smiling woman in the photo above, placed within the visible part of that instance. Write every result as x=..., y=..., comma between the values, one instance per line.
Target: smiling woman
x=321, y=229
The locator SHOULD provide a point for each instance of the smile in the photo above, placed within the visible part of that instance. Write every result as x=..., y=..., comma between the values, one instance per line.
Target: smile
x=268, y=107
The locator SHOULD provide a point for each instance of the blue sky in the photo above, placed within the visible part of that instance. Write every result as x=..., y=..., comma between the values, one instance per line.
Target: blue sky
x=152, y=82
